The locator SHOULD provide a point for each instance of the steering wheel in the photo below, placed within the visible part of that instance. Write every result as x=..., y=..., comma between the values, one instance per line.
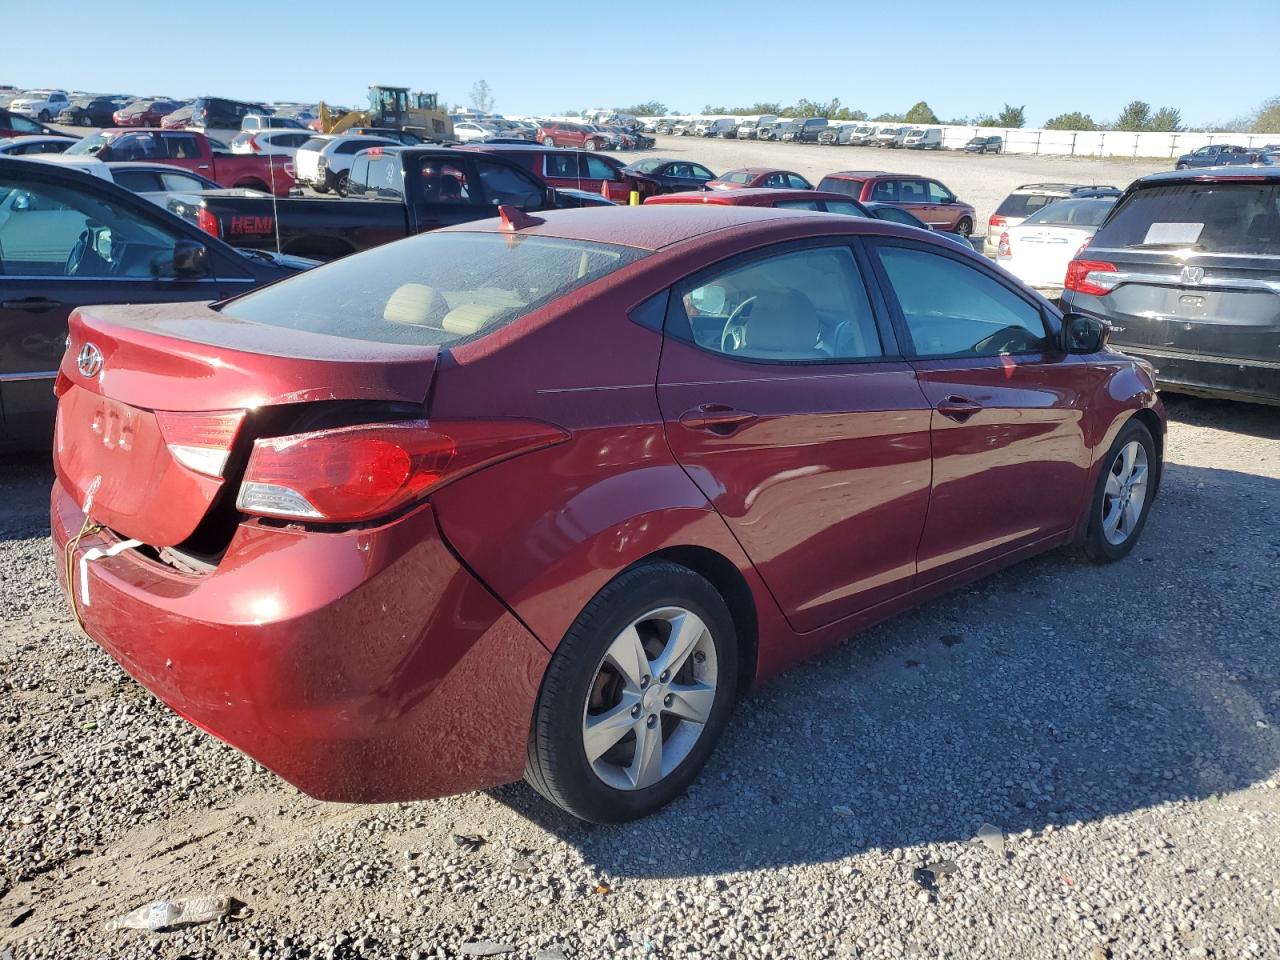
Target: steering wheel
x=1003, y=340
x=76, y=257
x=738, y=331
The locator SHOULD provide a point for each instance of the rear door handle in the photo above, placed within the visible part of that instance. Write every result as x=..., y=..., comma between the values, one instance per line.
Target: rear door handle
x=717, y=417
x=958, y=408
x=31, y=304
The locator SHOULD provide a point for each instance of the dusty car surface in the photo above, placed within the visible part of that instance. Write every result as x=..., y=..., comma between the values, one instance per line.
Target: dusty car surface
x=738, y=436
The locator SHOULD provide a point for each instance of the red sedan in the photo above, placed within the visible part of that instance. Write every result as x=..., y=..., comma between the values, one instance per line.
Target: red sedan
x=737, y=435
x=144, y=113
x=759, y=177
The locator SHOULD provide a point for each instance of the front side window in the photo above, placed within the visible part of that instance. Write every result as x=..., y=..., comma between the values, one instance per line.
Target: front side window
x=432, y=289
x=503, y=184
x=182, y=181
x=139, y=181
x=775, y=180
x=597, y=169
x=134, y=146
x=938, y=193
x=953, y=309
x=444, y=182
x=49, y=230
x=804, y=305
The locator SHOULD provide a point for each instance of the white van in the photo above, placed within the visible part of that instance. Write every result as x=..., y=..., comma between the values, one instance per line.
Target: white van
x=923, y=138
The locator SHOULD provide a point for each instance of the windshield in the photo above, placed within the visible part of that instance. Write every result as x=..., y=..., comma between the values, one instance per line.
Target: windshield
x=89, y=145
x=1239, y=218
x=1074, y=213
x=432, y=289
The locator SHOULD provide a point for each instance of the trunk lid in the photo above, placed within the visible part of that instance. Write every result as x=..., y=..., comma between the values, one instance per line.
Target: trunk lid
x=131, y=373
x=1041, y=254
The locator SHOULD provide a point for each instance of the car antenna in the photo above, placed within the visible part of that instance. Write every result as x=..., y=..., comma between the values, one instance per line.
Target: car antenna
x=513, y=218
x=275, y=208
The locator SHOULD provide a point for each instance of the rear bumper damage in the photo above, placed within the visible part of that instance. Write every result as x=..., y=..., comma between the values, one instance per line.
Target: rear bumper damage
x=361, y=666
x=1257, y=381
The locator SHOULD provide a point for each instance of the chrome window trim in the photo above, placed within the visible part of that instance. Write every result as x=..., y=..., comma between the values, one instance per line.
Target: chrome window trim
x=36, y=375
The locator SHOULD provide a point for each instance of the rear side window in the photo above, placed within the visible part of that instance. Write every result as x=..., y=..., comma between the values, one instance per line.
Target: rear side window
x=1242, y=218
x=952, y=309
x=432, y=289
x=1023, y=204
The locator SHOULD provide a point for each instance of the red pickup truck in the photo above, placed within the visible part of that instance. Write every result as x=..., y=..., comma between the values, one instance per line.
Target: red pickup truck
x=192, y=151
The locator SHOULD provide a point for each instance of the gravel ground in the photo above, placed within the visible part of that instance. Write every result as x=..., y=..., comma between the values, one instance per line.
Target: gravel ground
x=1117, y=725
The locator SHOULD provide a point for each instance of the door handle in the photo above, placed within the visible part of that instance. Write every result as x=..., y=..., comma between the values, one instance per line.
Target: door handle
x=203, y=166
x=31, y=304
x=717, y=417
x=957, y=408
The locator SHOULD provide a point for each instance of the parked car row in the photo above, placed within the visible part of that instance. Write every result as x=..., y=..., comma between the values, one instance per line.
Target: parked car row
x=809, y=130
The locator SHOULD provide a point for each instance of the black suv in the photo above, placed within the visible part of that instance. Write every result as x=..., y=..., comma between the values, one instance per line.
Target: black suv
x=1187, y=269
x=220, y=113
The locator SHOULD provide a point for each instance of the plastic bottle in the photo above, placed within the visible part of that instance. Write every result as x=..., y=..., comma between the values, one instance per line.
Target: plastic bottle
x=168, y=914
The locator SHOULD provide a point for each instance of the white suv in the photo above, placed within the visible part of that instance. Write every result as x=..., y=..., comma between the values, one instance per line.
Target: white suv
x=43, y=105
x=324, y=161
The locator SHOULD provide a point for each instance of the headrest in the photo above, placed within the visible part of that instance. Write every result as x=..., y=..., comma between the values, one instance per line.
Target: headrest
x=783, y=322
x=417, y=304
x=471, y=318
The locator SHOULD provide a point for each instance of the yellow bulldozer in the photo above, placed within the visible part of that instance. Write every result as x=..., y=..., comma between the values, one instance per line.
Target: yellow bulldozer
x=394, y=108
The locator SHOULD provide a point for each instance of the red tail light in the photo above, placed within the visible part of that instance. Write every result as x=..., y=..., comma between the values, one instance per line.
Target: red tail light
x=995, y=220
x=1090, y=276
x=207, y=221
x=200, y=441
x=359, y=473
x=1005, y=249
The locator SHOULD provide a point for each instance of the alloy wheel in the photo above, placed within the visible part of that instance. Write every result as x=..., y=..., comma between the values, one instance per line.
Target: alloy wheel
x=650, y=698
x=1125, y=493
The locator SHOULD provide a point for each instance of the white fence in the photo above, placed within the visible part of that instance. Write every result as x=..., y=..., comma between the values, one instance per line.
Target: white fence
x=1090, y=143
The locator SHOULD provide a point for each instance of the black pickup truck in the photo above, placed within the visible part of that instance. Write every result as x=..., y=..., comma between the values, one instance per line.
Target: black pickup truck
x=392, y=192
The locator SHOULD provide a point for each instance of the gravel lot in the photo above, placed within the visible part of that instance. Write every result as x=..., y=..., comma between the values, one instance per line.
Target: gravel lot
x=981, y=179
x=1118, y=725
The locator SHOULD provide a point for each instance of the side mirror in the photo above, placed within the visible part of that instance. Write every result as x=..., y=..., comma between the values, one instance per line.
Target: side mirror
x=1084, y=334
x=190, y=260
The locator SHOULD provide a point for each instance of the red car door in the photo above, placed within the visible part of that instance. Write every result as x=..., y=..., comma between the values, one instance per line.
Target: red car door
x=185, y=150
x=1010, y=460
x=786, y=401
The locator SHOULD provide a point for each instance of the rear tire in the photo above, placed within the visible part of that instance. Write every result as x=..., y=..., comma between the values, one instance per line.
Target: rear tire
x=1122, y=497
x=44, y=116
x=548, y=142
x=588, y=682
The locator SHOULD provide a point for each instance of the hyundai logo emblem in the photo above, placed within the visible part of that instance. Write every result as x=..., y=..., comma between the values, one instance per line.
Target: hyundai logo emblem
x=89, y=360
x=1192, y=274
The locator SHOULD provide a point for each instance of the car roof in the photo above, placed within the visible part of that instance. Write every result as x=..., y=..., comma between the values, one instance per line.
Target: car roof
x=748, y=196
x=862, y=174
x=1244, y=174
x=655, y=226
x=40, y=138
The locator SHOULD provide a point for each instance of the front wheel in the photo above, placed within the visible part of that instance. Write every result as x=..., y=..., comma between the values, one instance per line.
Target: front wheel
x=964, y=227
x=548, y=142
x=44, y=116
x=1122, y=496
x=636, y=696
x=592, y=145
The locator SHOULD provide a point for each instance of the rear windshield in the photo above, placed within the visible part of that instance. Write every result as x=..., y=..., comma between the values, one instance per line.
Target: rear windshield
x=738, y=176
x=1206, y=217
x=1024, y=204
x=315, y=143
x=432, y=289
x=1075, y=213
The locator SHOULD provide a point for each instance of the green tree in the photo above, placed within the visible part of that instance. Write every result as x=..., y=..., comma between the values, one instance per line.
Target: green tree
x=1071, y=121
x=1267, y=119
x=888, y=118
x=650, y=108
x=846, y=114
x=1166, y=120
x=708, y=108
x=482, y=96
x=1136, y=116
x=921, y=113
x=1011, y=116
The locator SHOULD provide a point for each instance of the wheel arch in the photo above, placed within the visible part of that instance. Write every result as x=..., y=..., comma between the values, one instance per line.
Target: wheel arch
x=721, y=573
